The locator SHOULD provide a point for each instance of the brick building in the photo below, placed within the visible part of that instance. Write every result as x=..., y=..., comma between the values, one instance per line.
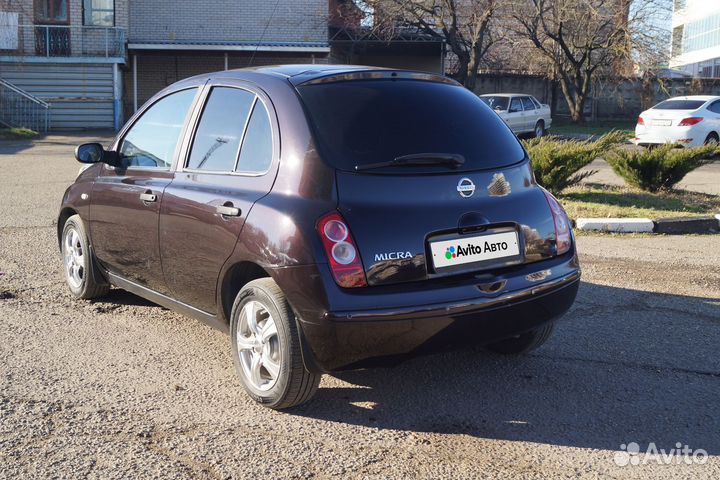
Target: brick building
x=67, y=53
x=96, y=61
x=170, y=40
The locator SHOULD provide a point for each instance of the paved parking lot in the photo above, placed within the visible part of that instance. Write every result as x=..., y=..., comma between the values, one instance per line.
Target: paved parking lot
x=120, y=388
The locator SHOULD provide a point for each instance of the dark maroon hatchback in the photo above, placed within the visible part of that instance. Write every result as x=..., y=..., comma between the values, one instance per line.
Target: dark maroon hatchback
x=327, y=217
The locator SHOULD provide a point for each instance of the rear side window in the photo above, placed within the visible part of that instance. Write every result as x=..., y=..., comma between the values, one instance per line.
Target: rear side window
x=528, y=104
x=217, y=141
x=257, y=147
x=368, y=121
x=679, y=105
x=153, y=138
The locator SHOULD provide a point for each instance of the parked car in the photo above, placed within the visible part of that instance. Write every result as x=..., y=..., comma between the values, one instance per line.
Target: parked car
x=522, y=113
x=326, y=217
x=688, y=121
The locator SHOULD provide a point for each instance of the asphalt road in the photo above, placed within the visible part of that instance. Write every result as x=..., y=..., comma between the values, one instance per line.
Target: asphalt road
x=120, y=388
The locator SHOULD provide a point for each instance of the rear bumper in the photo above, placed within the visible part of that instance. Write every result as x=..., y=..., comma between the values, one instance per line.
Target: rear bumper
x=684, y=137
x=359, y=338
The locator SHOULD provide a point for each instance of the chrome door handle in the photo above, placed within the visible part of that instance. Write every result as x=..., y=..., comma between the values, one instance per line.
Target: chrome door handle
x=228, y=210
x=148, y=197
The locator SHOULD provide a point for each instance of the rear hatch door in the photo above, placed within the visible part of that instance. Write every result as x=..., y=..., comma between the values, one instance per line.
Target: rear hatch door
x=413, y=222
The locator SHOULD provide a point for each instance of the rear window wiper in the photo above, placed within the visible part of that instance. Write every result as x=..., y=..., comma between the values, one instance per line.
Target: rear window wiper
x=453, y=160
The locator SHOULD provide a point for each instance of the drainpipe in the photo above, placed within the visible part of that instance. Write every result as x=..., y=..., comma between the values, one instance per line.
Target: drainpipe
x=226, y=61
x=442, y=57
x=117, y=98
x=135, y=89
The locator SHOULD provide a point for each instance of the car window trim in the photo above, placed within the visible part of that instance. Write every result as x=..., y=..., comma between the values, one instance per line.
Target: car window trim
x=182, y=164
x=140, y=113
x=244, y=133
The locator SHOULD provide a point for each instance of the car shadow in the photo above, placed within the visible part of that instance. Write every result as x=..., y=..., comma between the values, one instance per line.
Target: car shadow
x=117, y=296
x=623, y=366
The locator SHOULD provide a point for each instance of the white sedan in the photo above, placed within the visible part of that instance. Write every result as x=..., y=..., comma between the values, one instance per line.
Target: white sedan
x=686, y=121
x=522, y=113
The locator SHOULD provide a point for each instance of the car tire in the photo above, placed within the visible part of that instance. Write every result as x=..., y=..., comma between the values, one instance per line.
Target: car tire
x=712, y=138
x=525, y=342
x=80, y=268
x=266, y=347
x=539, y=130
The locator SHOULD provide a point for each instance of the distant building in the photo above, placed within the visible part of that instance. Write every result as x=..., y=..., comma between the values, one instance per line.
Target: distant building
x=696, y=37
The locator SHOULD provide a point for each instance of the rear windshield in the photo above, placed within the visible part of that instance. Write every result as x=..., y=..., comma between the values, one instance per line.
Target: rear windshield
x=369, y=121
x=496, y=103
x=679, y=105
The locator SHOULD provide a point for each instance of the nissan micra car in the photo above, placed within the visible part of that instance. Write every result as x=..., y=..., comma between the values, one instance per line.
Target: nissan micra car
x=326, y=217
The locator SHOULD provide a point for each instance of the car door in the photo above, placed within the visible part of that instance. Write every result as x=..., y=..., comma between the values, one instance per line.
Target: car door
x=515, y=115
x=530, y=114
x=229, y=165
x=125, y=201
x=714, y=108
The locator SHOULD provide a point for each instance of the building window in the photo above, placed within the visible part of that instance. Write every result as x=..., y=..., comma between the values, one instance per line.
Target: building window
x=100, y=13
x=706, y=69
x=51, y=11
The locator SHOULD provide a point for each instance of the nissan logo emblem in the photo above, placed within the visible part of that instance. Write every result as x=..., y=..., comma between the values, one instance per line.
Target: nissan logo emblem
x=466, y=187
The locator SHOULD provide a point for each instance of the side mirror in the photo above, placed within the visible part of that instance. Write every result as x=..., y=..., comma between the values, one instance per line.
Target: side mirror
x=94, y=153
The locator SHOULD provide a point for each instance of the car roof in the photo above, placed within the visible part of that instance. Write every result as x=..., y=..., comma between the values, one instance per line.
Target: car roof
x=304, y=73
x=703, y=98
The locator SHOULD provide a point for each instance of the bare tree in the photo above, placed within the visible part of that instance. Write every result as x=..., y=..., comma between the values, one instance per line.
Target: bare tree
x=583, y=38
x=464, y=25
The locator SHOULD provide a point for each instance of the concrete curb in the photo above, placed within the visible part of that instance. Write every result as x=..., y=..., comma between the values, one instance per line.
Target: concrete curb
x=624, y=225
x=668, y=226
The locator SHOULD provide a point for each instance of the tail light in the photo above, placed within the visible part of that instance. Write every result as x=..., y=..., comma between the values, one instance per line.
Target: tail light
x=690, y=121
x=640, y=121
x=563, y=238
x=341, y=251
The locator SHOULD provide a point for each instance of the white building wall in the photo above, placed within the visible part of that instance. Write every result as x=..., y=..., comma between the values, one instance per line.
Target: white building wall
x=699, y=23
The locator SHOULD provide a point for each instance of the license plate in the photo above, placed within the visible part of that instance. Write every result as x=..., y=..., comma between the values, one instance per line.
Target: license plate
x=661, y=123
x=459, y=251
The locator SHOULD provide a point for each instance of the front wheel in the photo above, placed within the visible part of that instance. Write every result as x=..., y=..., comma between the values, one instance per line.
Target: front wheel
x=81, y=275
x=266, y=347
x=524, y=342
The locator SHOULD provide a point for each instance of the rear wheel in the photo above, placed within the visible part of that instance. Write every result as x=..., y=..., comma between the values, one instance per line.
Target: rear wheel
x=79, y=263
x=539, y=129
x=712, y=139
x=525, y=342
x=266, y=347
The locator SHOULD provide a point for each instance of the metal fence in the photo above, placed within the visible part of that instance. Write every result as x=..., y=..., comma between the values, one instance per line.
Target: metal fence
x=21, y=109
x=65, y=41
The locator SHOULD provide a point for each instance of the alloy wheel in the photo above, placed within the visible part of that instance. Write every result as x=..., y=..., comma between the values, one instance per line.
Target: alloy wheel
x=74, y=258
x=258, y=346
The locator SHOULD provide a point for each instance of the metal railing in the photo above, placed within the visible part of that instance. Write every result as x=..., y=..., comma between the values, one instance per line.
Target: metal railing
x=66, y=41
x=20, y=109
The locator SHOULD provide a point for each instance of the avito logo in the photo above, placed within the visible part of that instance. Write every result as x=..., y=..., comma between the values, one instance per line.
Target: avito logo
x=472, y=249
